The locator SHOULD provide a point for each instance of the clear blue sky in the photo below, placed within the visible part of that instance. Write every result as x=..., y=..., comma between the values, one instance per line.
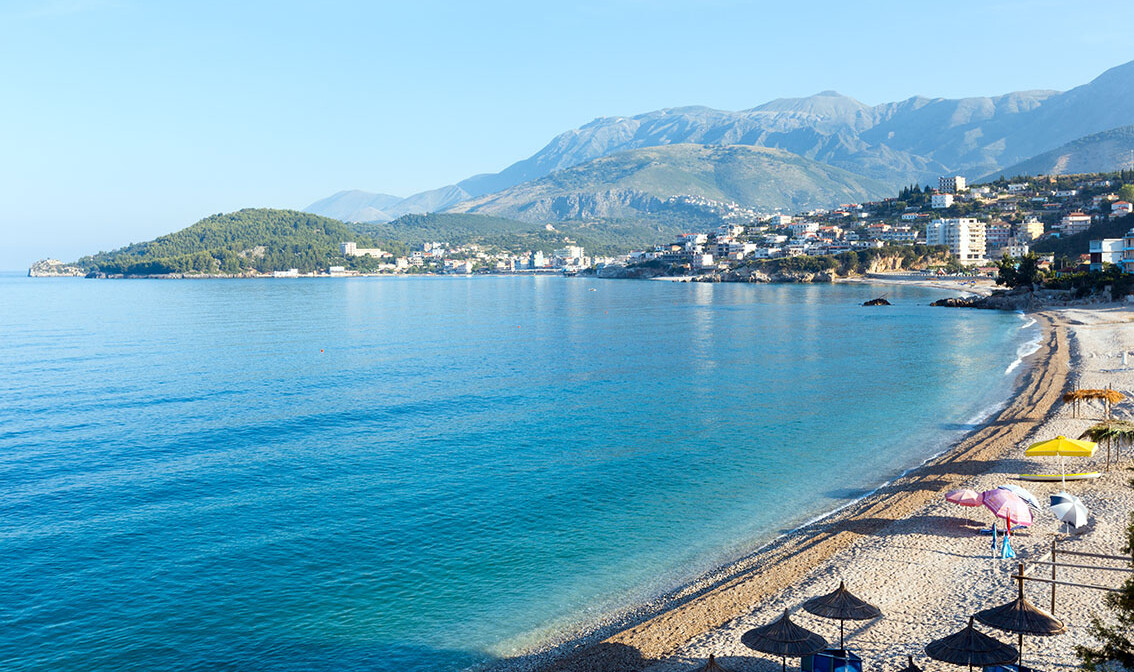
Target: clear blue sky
x=125, y=119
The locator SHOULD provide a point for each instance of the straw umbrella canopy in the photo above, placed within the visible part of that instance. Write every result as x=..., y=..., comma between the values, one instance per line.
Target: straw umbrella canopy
x=1023, y=618
x=711, y=666
x=841, y=604
x=1115, y=432
x=783, y=638
x=971, y=647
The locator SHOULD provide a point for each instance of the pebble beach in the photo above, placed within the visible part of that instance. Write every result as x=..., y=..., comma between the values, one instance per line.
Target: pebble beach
x=920, y=559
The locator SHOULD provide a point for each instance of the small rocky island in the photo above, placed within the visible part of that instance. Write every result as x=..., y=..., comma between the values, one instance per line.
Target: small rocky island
x=53, y=268
x=880, y=301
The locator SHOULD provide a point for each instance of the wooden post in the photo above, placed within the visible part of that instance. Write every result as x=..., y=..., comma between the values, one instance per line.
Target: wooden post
x=1053, y=576
x=1020, y=648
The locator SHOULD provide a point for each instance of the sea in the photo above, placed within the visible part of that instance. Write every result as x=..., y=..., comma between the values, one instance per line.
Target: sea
x=433, y=473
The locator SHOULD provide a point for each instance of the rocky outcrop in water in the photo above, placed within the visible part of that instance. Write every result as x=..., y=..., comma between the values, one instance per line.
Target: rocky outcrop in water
x=53, y=268
x=880, y=301
x=757, y=275
x=1015, y=300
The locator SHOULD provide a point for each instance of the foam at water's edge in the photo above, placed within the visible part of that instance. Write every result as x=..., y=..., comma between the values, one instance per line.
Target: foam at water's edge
x=1028, y=347
x=587, y=632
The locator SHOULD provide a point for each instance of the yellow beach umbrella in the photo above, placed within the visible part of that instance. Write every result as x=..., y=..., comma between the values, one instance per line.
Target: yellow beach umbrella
x=1063, y=447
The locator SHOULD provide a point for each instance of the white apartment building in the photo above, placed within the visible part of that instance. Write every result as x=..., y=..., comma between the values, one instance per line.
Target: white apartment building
x=1106, y=251
x=1128, y=252
x=952, y=184
x=941, y=201
x=800, y=228
x=964, y=236
x=1076, y=222
x=353, y=250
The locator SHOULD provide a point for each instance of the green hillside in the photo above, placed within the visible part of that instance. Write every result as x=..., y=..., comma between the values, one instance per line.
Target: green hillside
x=608, y=236
x=637, y=183
x=260, y=240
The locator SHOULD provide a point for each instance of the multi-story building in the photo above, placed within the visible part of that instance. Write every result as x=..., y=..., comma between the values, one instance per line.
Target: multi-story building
x=951, y=185
x=997, y=235
x=1075, y=222
x=1105, y=251
x=351, y=249
x=941, y=201
x=1121, y=208
x=965, y=237
x=1128, y=252
x=1029, y=230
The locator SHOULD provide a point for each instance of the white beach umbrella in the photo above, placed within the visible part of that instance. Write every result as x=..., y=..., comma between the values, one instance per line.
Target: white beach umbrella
x=1022, y=493
x=1069, y=509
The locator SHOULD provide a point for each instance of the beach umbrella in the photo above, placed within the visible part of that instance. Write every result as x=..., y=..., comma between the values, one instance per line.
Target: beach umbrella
x=1022, y=493
x=1021, y=617
x=971, y=647
x=1007, y=505
x=1063, y=447
x=964, y=497
x=841, y=604
x=711, y=666
x=910, y=667
x=1069, y=509
x=783, y=638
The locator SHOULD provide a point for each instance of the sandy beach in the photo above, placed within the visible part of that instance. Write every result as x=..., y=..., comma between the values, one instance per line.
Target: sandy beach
x=903, y=548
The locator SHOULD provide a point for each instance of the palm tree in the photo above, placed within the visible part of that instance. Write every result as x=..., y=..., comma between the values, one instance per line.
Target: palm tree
x=1115, y=432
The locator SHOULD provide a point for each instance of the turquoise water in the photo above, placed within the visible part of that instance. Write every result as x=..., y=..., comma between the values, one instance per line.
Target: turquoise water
x=427, y=473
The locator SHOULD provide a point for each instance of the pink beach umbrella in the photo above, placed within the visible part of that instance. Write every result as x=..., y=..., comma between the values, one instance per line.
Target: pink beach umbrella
x=964, y=497
x=1008, y=506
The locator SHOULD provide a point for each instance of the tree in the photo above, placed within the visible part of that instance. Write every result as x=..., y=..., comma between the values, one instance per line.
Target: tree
x=1006, y=271
x=1022, y=272
x=1116, y=642
x=1126, y=192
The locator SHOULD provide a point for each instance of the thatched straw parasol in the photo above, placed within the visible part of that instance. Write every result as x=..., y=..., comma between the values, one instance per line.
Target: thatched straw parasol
x=1114, y=431
x=783, y=638
x=1109, y=397
x=971, y=647
x=711, y=666
x=842, y=605
x=1023, y=618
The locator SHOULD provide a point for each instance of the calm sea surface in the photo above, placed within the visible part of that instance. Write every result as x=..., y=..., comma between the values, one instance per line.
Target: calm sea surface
x=426, y=473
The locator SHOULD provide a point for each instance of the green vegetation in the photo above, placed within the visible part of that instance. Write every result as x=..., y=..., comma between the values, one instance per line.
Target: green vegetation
x=1023, y=272
x=259, y=240
x=601, y=237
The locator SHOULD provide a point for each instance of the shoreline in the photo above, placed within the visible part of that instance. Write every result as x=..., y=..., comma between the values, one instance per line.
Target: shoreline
x=648, y=634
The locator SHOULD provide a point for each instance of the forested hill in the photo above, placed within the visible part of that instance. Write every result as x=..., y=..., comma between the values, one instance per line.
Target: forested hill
x=604, y=236
x=260, y=240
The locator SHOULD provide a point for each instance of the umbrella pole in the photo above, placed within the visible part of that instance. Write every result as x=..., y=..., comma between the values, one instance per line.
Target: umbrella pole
x=1020, y=660
x=841, y=646
x=1063, y=472
x=784, y=659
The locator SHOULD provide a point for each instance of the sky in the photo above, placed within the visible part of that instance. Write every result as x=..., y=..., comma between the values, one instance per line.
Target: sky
x=122, y=120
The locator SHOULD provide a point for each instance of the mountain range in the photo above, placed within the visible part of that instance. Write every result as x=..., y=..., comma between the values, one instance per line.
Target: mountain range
x=892, y=144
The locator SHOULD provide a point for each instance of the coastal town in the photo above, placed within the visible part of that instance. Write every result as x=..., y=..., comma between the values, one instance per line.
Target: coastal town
x=978, y=224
